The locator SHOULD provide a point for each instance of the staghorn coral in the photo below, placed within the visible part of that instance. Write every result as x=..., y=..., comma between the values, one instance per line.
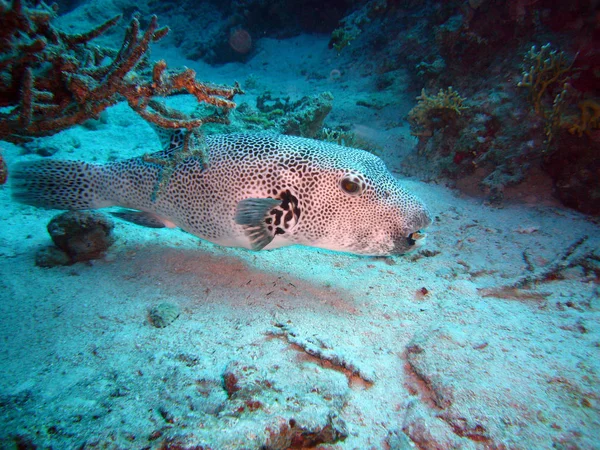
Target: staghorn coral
x=52, y=80
x=443, y=107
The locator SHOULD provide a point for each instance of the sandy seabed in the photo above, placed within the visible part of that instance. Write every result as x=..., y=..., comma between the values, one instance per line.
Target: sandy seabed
x=487, y=337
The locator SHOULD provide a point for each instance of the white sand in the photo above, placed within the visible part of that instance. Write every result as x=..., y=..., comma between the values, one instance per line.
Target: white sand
x=470, y=364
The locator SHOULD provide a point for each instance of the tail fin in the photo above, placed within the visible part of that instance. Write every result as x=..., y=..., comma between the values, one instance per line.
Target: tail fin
x=59, y=185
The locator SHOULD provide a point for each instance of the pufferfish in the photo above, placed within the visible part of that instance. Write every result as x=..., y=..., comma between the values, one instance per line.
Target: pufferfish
x=256, y=191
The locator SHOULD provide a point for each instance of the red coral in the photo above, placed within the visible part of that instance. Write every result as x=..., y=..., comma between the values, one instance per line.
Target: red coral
x=53, y=80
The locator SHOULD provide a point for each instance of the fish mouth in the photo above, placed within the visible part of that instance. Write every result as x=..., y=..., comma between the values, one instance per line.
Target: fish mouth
x=406, y=244
x=416, y=239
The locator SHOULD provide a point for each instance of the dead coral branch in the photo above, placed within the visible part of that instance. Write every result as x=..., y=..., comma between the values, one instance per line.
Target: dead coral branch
x=140, y=97
x=52, y=81
x=519, y=288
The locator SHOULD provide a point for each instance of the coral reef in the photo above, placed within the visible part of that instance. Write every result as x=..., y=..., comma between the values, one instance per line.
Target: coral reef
x=574, y=166
x=53, y=80
x=545, y=72
x=543, y=69
x=549, y=77
x=307, y=121
x=589, y=120
x=352, y=25
x=347, y=138
x=505, y=139
x=303, y=117
x=435, y=111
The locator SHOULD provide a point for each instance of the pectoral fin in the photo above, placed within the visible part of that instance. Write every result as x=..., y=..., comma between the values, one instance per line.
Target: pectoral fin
x=251, y=214
x=143, y=218
x=265, y=218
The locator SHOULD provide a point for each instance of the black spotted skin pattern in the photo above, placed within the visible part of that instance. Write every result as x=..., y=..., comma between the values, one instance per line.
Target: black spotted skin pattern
x=327, y=195
x=305, y=174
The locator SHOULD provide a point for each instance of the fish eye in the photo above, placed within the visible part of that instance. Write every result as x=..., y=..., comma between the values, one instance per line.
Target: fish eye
x=350, y=186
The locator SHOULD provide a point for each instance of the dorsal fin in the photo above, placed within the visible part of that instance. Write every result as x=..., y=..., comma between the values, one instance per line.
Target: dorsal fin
x=171, y=141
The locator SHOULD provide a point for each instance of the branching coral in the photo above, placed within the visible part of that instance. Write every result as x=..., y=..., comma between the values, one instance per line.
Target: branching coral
x=554, y=117
x=52, y=80
x=541, y=70
x=444, y=107
x=589, y=120
x=549, y=69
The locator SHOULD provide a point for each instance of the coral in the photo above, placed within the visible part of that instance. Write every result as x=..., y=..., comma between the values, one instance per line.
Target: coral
x=52, y=80
x=590, y=118
x=549, y=69
x=542, y=70
x=574, y=167
x=303, y=117
x=265, y=102
x=353, y=24
x=519, y=9
x=193, y=145
x=434, y=68
x=341, y=37
x=429, y=112
x=555, y=115
x=348, y=138
x=308, y=120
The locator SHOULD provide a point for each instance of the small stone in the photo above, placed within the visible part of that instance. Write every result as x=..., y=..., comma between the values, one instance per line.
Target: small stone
x=83, y=235
x=51, y=257
x=41, y=148
x=164, y=314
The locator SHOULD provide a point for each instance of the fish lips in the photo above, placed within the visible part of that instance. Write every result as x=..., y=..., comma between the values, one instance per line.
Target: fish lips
x=413, y=239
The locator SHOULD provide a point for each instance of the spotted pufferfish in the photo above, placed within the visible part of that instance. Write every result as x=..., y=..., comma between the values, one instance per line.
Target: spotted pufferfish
x=256, y=191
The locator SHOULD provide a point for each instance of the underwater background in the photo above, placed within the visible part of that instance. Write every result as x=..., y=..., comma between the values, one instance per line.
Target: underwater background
x=116, y=336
